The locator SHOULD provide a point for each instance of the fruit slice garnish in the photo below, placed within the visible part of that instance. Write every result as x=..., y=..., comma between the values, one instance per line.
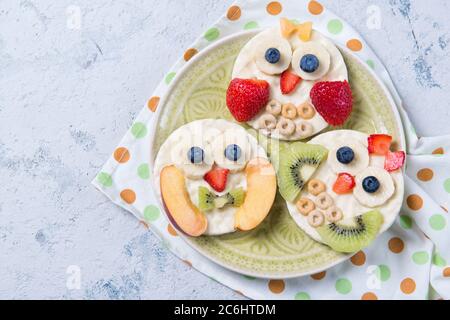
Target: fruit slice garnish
x=289, y=81
x=217, y=178
x=208, y=200
x=379, y=144
x=394, y=160
x=344, y=184
x=353, y=234
x=296, y=164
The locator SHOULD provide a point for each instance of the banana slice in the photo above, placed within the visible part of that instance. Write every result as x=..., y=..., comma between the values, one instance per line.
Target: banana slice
x=231, y=150
x=360, y=161
x=319, y=52
x=373, y=193
x=277, y=59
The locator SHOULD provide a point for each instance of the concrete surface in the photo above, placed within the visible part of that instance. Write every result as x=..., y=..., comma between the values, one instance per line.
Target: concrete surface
x=68, y=93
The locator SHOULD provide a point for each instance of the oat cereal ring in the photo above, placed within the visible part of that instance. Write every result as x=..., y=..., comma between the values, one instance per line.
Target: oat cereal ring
x=306, y=111
x=305, y=206
x=304, y=129
x=324, y=201
x=274, y=107
x=289, y=111
x=315, y=187
x=268, y=121
x=286, y=126
x=316, y=219
x=334, y=214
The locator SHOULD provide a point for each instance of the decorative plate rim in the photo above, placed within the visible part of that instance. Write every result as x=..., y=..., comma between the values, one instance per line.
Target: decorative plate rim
x=163, y=100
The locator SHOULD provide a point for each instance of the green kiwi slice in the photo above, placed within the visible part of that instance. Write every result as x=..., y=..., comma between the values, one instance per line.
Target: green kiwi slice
x=296, y=164
x=354, y=234
x=207, y=200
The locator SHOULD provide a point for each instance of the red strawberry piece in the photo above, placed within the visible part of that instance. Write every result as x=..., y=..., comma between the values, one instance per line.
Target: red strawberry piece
x=379, y=144
x=246, y=97
x=345, y=183
x=394, y=160
x=333, y=101
x=289, y=82
x=217, y=178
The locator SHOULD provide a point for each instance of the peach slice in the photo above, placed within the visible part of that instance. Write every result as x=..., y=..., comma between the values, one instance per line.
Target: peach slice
x=183, y=214
x=261, y=191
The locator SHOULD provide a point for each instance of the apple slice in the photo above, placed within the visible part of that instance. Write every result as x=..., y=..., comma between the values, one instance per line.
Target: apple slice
x=261, y=191
x=184, y=215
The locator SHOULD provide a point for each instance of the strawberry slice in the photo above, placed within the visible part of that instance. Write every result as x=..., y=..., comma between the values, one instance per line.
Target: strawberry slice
x=394, y=160
x=379, y=144
x=289, y=81
x=344, y=183
x=217, y=178
x=246, y=97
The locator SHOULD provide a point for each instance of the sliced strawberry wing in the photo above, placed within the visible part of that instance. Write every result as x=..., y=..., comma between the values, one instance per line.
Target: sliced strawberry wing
x=379, y=144
x=394, y=160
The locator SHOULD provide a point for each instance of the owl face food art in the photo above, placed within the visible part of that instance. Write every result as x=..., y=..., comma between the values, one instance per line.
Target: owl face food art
x=290, y=82
x=343, y=188
x=214, y=178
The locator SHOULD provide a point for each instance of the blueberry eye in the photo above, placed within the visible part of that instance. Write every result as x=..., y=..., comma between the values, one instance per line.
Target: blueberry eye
x=309, y=63
x=196, y=155
x=345, y=155
x=233, y=152
x=273, y=55
x=371, y=184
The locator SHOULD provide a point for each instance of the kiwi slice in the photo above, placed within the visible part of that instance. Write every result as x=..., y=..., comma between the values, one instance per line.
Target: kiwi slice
x=354, y=234
x=207, y=200
x=295, y=164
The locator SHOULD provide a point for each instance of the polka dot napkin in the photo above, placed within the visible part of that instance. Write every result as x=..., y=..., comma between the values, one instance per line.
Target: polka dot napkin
x=409, y=261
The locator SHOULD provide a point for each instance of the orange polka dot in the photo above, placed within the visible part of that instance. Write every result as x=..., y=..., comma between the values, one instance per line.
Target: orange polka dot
x=274, y=8
x=439, y=151
x=128, y=195
x=276, y=286
x=234, y=13
x=425, y=174
x=414, y=202
x=315, y=8
x=354, y=45
x=369, y=296
x=446, y=272
x=396, y=245
x=359, y=259
x=189, y=54
x=171, y=230
x=188, y=263
x=319, y=276
x=408, y=286
x=121, y=155
x=152, y=104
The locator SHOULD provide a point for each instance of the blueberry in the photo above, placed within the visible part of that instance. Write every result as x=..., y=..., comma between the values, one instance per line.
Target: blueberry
x=273, y=55
x=196, y=155
x=233, y=152
x=309, y=63
x=371, y=184
x=345, y=155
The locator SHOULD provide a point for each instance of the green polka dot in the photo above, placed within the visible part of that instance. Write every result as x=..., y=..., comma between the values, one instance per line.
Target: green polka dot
x=438, y=260
x=170, y=77
x=343, y=286
x=420, y=257
x=302, y=296
x=406, y=222
x=212, y=34
x=437, y=222
x=104, y=179
x=139, y=130
x=371, y=64
x=447, y=185
x=251, y=25
x=335, y=26
x=383, y=272
x=143, y=171
x=151, y=213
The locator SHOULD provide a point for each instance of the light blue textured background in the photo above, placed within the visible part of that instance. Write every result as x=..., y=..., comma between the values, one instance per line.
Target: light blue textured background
x=67, y=97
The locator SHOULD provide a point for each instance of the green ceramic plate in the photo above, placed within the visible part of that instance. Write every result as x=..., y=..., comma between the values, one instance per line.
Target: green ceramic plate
x=277, y=248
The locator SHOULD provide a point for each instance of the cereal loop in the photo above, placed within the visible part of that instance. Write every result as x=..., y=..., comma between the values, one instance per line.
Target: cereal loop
x=289, y=111
x=316, y=219
x=268, y=121
x=274, y=107
x=324, y=201
x=306, y=111
x=286, y=126
x=305, y=206
x=315, y=187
